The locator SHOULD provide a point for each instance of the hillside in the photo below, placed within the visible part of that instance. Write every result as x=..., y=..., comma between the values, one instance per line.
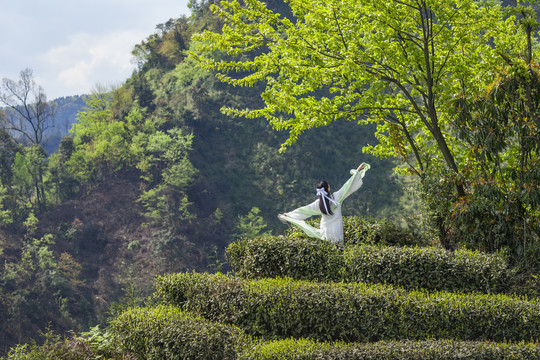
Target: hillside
x=154, y=179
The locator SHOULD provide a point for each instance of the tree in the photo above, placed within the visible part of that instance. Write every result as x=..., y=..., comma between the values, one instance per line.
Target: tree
x=100, y=141
x=163, y=49
x=6, y=216
x=164, y=161
x=28, y=112
x=29, y=171
x=41, y=288
x=502, y=128
x=8, y=149
x=251, y=225
x=527, y=19
x=394, y=63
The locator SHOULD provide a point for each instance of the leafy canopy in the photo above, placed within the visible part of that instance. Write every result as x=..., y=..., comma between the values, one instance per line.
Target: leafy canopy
x=395, y=63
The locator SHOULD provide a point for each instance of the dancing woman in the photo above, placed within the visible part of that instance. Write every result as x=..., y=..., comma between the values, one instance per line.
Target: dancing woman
x=328, y=205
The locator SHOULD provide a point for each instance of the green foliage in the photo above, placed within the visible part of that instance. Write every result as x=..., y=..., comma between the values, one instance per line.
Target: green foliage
x=386, y=350
x=281, y=308
x=105, y=143
x=251, y=225
x=29, y=174
x=302, y=259
x=374, y=62
x=6, y=215
x=240, y=167
x=393, y=63
x=164, y=161
x=101, y=142
x=428, y=268
x=56, y=347
x=408, y=267
x=169, y=333
x=62, y=184
x=502, y=128
x=381, y=232
x=528, y=285
x=8, y=150
x=164, y=49
x=166, y=332
x=163, y=131
x=100, y=341
x=198, y=170
x=38, y=283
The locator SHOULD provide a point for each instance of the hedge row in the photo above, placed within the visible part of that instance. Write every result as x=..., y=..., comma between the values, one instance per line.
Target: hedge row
x=165, y=332
x=403, y=350
x=301, y=259
x=281, y=308
x=429, y=268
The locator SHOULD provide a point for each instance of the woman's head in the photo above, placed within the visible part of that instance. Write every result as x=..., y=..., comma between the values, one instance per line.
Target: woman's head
x=324, y=203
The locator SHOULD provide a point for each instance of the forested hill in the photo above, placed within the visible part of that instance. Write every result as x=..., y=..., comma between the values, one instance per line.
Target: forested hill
x=67, y=109
x=153, y=178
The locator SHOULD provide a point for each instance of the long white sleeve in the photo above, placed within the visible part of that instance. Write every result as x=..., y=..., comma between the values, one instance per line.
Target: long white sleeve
x=354, y=183
x=305, y=211
x=298, y=216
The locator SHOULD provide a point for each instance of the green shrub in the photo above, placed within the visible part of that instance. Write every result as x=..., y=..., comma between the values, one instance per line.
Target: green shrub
x=409, y=267
x=281, y=308
x=57, y=347
x=299, y=258
x=404, y=350
x=362, y=230
x=427, y=268
x=166, y=332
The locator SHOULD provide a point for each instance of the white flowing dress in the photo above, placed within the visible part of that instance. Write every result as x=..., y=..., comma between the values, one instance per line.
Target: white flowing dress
x=331, y=225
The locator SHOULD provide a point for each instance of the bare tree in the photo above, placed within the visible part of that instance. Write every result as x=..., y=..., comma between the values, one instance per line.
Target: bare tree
x=27, y=111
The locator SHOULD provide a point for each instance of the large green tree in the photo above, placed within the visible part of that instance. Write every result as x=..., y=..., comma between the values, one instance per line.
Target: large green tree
x=501, y=129
x=396, y=63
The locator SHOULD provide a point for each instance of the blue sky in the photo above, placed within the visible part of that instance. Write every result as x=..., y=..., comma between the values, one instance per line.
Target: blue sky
x=74, y=45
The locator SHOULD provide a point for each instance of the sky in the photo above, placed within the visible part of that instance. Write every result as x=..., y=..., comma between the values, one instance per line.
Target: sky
x=72, y=46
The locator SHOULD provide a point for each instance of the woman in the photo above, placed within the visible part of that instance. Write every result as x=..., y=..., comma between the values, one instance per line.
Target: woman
x=328, y=206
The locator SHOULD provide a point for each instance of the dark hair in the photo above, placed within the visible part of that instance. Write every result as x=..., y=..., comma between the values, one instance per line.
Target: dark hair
x=324, y=184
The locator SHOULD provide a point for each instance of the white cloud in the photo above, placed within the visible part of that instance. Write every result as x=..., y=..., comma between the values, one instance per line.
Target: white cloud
x=88, y=60
x=74, y=45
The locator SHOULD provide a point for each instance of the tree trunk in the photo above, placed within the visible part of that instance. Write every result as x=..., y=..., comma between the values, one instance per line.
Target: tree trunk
x=448, y=157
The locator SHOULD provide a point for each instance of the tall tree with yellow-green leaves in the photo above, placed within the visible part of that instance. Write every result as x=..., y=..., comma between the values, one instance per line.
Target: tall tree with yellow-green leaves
x=396, y=63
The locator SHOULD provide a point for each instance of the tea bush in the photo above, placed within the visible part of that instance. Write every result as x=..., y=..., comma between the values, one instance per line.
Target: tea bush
x=429, y=268
x=409, y=267
x=399, y=350
x=166, y=332
x=281, y=308
x=299, y=258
